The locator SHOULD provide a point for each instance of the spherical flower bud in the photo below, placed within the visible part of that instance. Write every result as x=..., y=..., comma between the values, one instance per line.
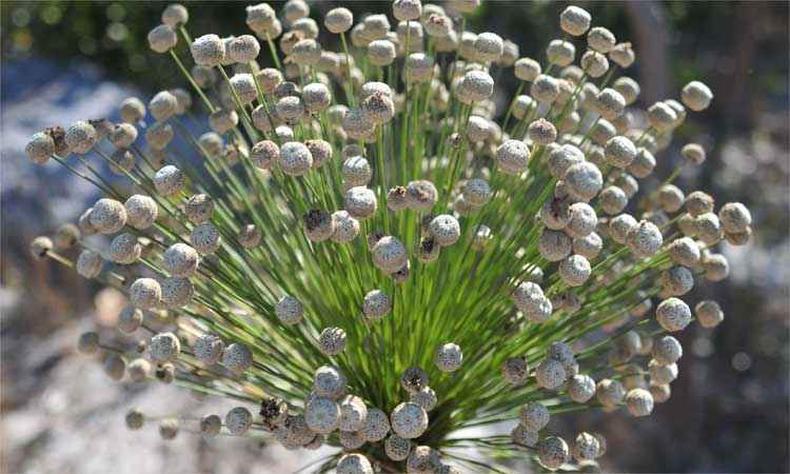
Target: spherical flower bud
x=475, y=86
x=360, y=202
x=609, y=103
x=346, y=228
x=644, y=239
x=356, y=171
x=545, y=89
x=168, y=428
x=527, y=69
x=620, y=226
x=581, y=388
x=623, y=55
x=169, y=180
x=261, y=18
x=600, y=39
x=437, y=25
x=662, y=374
x=354, y=464
x=124, y=249
x=205, y=238
x=554, y=245
x=397, y=448
x=589, y=246
x=512, y=157
x=249, y=236
x=477, y=192
x=696, y=96
x=329, y=382
x=295, y=159
x=673, y=314
x=243, y=49
x=162, y=39
x=208, y=50
x=575, y=21
x=175, y=15
x=639, y=402
x=407, y=10
x=660, y=393
x=89, y=264
x=488, y=47
x=289, y=310
x=316, y=97
x=338, y=20
x=583, y=180
x=238, y=421
x=409, y=420
x=108, y=216
x=542, y=132
x=735, y=217
x=134, y=419
x=609, y=392
x=264, y=154
x=534, y=416
x=164, y=347
x=381, y=52
x=377, y=426
x=426, y=398
x=80, y=137
x=709, y=313
x=389, y=254
x=332, y=341
x=210, y=425
x=582, y=220
x=132, y=110
x=448, y=357
x=208, y=348
x=180, y=260
x=666, y=350
x=445, y=230
x=575, y=270
x=353, y=413
x=552, y=452
x=237, y=357
x=419, y=67
x=413, y=379
x=40, y=147
x=585, y=448
x=177, y=292
x=376, y=305
x=694, y=153
x=560, y=52
x=322, y=415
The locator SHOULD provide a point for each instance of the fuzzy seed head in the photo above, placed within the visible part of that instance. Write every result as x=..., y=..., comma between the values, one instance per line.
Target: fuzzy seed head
x=208, y=50
x=709, y=314
x=696, y=96
x=205, y=238
x=552, y=452
x=164, y=347
x=237, y=357
x=409, y=420
x=329, y=382
x=162, y=39
x=673, y=314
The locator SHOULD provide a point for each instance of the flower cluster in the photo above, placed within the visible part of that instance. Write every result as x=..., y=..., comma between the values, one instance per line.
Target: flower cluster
x=365, y=251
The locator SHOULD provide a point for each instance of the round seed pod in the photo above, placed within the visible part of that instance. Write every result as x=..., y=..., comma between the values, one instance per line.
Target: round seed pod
x=609, y=103
x=264, y=154
x=594, y=63
x=123, y=135
x=237, y=357
x=609, y=392
x=670, y=197
x=421, y=195
x=694, y=153
x=583, y=180
x=552, y=452
x=612, y=200
x=199, y=208
x=159, y=135
x=376, y=305
x=575, y=21
x=289, y=310
x=735, y=217
x=306, y=52
x=709, y=313
x=244, y=86
x=338, y=20
x=80, y=137
x=644, y=239
x=534, y=416
x=554, y=245
x=477, y=192
x=40, y=246
x=40, y=147
x=448, y=357
x=696, y=96
x=426, y=398
x=125, y=249
x=676, y=281
x=550, y=374
x=409, y=420
x=169, y=180
x=389, y=254
x=716, y=267
x=620, y=151
x=181, y=260
x=134, y=419
x=238, y=421
x=114, y=367
x=162, y=39
x=174, y=15
x=639, y=402
x=360, y=202
x=332, y=341
x=582, y=220
x=423, y=460
x=589, y=246
x=475, y=86
x=353, y=413
x=163, y=106
x=132, y=110
x=581, y=388
x=628, y=88
x=243, y=49
x=560, y=53
x=575, y=270
x=512, y=157
x=356, y=171
x=210, y=425
x=526, y=69
x=623, y=55
x=164, y=347
x=205, y=238
x=662, y=374
x=177, y=292
x=293, y=432
x=145, y=293
x=381, y=52
x=523, y=436
x=208, y=348
x=346, y=228
x=316, y=97
x=89, y=264
x=290, y=109
x=666, y=350
x=545, y=89
x=673, y=314
x=354, y=464
x=600, y=39
x=208, y=50
x=555, y=213
x=139, y=369
x=419, y=68
x=515, y=370
x=295, y=159
x=542, y=132
x=377, y=426
x=445, y=230
x=88, y=343
x=413, y=379
x=397, y=448
x=261, y=18
x=108, y=216
x=329, y=382
x=488, y=47
x=249, y=236
x=168, y=428
x=585, y=448
x=130, y=319
x=620, y=226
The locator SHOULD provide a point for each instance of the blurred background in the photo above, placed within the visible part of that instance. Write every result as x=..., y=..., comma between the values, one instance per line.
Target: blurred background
x=63, y=61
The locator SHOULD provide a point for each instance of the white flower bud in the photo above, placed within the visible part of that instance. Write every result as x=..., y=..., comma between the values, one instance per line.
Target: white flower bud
x=600, y=39
x=575, y=21
x=162, y=39
x=409, y=420
x=552, y=452
x=673, y=314
x=338, y=20
x=696, y=96
x=208, y=50
x=289, y=310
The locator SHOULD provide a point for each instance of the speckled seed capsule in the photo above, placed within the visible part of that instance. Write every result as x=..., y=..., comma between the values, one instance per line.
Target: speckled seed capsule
x=448, y=357
x=609, y=103
x=585, y=448
x=381, y=52
x=512, y=157
x=666, y=350
x=181, y=260
x=40, y=148
x=477, y=192
x=552, y=452
x=295, y=159
x=169, y=180
x=694, y=153
x=676, y=281
x=221, y=121
x=523, y=436
x=542, y=132
x=338, y=20
x=237, y=357
x=164, y=347
x=145, y=293
x=124, y=249
x=210, y=425
x=208, y=348
x=377, y=426
x=673, y=314
x=397, y=448
x=619, y=152
x=409, y=420
x=445, y=230
x=177, y=292
x=671, y=198
x=353, y=413
x=329, y=382
x=134, y=419
x=356, y=171
x=159, y=135
x=534, y=416
x=289, y=310
x=582, y=220
x=545, y=89
x=346, y=227
x=389, y=254
x=575, y=270
x=575, y=21
x=139, y=370
x=735, y=217
x=238, y=421
x=581, y=388
x=426, y=398
x=609, y=392
x=376, y=305
x=89, y=264
x=316, y=97
x=360, y=202
x=526, y=69
x=319, y=225
x=583, y=180
x=594, y=64
x=332, y=341
x=115, y=367
x=208, y=50
x=600, y=39
x=244, y=49
x=162, y=39
x=620, y=226
x=264, y=154
x=612, y=200
x=174, y=15
x=322, y=415
x=560, y=53
x=696, y=96
x=244, y=87
x=205, y=238
x=132, y=110
x=660, y=393
x=709, y=313
x=168, y=428
x=413, y=379
x=88, y=343
x=554, y=245
x=550, y=374
x=716, y=267
x=422, y=460
x=475, y=86
x=260, y=17
x=644, y=239
x=80, y=137
x=639, y=402
x=421, y=195
x=354, y=464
